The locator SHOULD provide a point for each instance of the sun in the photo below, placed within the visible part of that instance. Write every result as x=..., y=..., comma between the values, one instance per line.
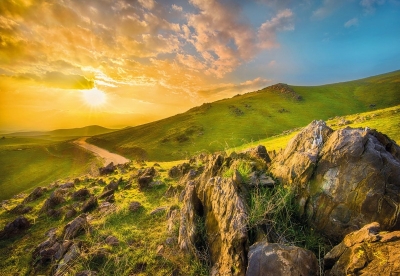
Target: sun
x=94, y=97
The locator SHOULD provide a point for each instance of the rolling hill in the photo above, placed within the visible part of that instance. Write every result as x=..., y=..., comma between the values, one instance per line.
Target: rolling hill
x=73, y=132
x=250, y=117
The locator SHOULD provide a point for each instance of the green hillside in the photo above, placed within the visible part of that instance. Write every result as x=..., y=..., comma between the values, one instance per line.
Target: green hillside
x=28, y=162
x=62, y=133
x=250, y=117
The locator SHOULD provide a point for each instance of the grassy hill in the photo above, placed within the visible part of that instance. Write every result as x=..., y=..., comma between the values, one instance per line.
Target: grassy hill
x=64, y=133
x=250, y=117
x=27, y=162
x=386, y=120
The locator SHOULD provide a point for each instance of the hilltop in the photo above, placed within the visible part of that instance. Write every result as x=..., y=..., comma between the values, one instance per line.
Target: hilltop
x=250, y=117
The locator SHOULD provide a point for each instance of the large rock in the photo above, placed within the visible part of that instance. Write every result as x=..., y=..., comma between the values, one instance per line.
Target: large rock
x=81, y=194
x=344, y=179
x=145, y=177
x=216, y=204
x=57, y=197
x=75, y=227
x=90, y=204
x=21, y=209
x=110, y=168
x=36, y=193
x=278, y=259
x=295, y=165
x=259, y=152
x=15, y=228
x=365, y=252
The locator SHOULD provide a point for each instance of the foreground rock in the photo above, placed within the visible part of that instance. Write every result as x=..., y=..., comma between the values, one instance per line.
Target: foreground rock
x=110, y=168
x=278, y=259
x=55, y=199
x=365, y=252
x=344, y=179
x=36, y=193
x=75, y=227
x=14, y=228
x=145, y=177
x=216, y=204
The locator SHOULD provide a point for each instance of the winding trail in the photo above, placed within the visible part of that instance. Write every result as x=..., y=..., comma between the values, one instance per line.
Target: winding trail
x=107, y=156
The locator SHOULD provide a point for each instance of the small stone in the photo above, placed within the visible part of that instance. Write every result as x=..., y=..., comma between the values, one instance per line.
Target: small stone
x=134, y=206
x=158, y=211
x=160, y=250
x=111, y=240
x=70, y=213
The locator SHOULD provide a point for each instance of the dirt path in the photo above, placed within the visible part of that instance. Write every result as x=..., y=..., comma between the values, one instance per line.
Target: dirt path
x=107, y=156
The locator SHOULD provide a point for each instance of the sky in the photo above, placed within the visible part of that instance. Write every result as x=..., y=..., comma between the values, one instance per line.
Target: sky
x=118, y=63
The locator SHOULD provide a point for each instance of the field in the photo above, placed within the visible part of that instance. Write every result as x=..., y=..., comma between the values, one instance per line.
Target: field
x=30, y=162
x=250, y=117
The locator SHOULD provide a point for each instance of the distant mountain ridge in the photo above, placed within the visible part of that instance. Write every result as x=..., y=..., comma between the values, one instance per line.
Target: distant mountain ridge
x=250, y=117
x=72, y=132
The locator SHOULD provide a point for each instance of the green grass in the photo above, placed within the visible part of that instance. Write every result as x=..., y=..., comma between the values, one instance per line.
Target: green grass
x=220, y=126
x=385, y=120
x=27, y=163
x=139, y=233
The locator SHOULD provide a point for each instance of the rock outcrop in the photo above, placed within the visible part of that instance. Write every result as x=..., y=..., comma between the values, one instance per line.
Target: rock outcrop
x=36, y=193
x=110, y=168
x=75, y=227
x=14, y=228
x=365, y=252
x=344, y=179
x=213, y=218
x=56, y=198
x=145, y=177
x=278, y=259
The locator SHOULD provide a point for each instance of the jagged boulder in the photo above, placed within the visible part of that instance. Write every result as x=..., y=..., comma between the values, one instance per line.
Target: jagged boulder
x=278, y=259
x=365, y=252
x=15, y=228
x=76, y=226
x=344, y=179
x=110, y=168
x=296, y=164
x=216, y=204
x=21, y=209
x=81, y=194
x=179, y=170
x=56, y=198
x=145, y=177
x=90, y=204
x=36, y=193
x=259, y=152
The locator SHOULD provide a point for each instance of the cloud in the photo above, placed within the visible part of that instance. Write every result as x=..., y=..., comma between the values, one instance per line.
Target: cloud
x=220, y=37
x=176, y=8
x=327, y=8
x=60, y=80
x=351, y=22
x=283, y=21
x=225, y=41
x=148, y=4
x=370, y=5
x=230, y=89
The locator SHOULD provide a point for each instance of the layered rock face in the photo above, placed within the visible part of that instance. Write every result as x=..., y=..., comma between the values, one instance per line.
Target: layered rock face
x=344, y=179
x=216, y=204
